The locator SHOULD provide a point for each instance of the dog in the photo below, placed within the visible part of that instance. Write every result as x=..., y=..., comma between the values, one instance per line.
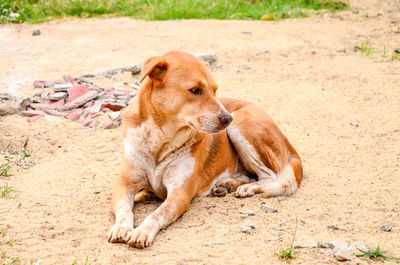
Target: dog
x=181, y=141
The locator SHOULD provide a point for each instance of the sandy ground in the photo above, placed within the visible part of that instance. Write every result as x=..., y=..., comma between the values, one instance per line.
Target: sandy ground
x=340, y=110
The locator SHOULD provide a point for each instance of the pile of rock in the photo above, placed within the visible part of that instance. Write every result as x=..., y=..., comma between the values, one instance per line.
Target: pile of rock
x=79, y=100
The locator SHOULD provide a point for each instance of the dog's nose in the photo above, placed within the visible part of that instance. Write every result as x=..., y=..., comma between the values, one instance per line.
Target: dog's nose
x=225, y=118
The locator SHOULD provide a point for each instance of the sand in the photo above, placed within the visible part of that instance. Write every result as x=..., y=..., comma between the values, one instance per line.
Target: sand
x=339, y=109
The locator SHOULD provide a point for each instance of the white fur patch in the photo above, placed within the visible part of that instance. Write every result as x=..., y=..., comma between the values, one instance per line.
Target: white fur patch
x=249, y=155
x=174, y=163
x=125, y=215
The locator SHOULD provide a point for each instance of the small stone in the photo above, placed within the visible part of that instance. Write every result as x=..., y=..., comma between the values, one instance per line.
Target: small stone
x=36, y=32
x=110, y=124
x=389, y=214
x=341, y=49
x=209, y=58
x=114, y=115
x=358, y=249
x=386, y=227
x=333, y=227
x=313, y=51
x=10, y=104
x=246, y=229
x=354, y=124
x=251, y=225
x=268, y=209
x=135, y=69
x=58, y=96
x=397, y=50
x=340, y=250
x=61, y=87
x=322, y=244
x=342, y=255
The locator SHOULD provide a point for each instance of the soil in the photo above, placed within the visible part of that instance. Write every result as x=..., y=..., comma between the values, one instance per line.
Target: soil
x=339, y=109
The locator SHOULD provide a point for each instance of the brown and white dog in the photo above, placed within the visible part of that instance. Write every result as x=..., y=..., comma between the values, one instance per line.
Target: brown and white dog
x=182, y=141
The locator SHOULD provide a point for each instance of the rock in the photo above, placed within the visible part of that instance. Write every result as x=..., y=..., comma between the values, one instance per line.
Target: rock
x=74, y=115
x=31, y=113
x=35, y=118
x=354, y=124
x=10, y=104
x=386, y=228
x=76, y=91
x=268, y=209
x=340, y=250
x=251, y=225
x=114, y=115
x=58, y=96
x=36, y=32
x=358, y=249
x=341, y=49
x=209, y=58
x=135, y=69
x=342, y=255
x=397, y=50
x=322, y=244
x=333, y=227
x=110, y=124
x=79, y=101
x=246, y=229
x=389, y=214
x=61, y=87
x=268, y=17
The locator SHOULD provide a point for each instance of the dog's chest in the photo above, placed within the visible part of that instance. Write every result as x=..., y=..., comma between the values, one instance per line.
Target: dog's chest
x=165, y=170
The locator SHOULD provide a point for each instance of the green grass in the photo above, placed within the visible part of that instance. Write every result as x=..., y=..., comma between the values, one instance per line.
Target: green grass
x=365, y=48
x=5, y=190
x=34, y=11
x=5, y=168
x=85, y=263
x=377, y=253
x=288, y=253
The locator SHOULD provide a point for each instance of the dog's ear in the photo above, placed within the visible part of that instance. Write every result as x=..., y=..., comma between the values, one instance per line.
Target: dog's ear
x=155, y=68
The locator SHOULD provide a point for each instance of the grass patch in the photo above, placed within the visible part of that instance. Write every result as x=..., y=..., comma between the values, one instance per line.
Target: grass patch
x=5, y=168
x=35, y=11
x=6, y=260
x=5, y=190
x=377, y=253
x=288, y=253
x=365, y=48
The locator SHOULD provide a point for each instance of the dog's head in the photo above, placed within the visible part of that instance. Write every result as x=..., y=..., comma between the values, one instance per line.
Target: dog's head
x=183, y=90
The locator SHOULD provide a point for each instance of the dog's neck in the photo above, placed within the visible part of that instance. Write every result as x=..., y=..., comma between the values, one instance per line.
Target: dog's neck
x=167, y=135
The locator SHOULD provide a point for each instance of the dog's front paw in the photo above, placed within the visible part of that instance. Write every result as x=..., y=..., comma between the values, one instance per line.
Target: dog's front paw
x=141, y=237
x=119, y=233
x=246, y=190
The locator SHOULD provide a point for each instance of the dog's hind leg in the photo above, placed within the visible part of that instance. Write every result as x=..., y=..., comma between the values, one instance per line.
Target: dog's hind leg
x=265, y=152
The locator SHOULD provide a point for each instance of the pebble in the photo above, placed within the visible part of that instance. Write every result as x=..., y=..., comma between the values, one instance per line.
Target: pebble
x=209, y=58
x=36, y=32
x=268, y=209
x=251, y=225
x=10, y=104
x=340, y=250
x=333, y=227
x=341, y=49
x=322, y=244
x=386, y=227
x=58, y=96
x=397, y=50
x=357, y=249
x=246, y=229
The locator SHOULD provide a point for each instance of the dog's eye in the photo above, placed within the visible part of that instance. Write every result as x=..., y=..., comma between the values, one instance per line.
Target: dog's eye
x=195, y=90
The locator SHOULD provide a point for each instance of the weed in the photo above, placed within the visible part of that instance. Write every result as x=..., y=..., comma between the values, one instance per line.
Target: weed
x=25, y=153
x=44, y=10
x=5, y=168
x=288, y=253
x=395, y=56
x=376, y=254
x=365, y=48
x=384, y=55
x=6, y=190
x=6, y=260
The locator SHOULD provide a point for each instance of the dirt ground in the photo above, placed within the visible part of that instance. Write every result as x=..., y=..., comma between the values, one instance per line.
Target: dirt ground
x=339, y=109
